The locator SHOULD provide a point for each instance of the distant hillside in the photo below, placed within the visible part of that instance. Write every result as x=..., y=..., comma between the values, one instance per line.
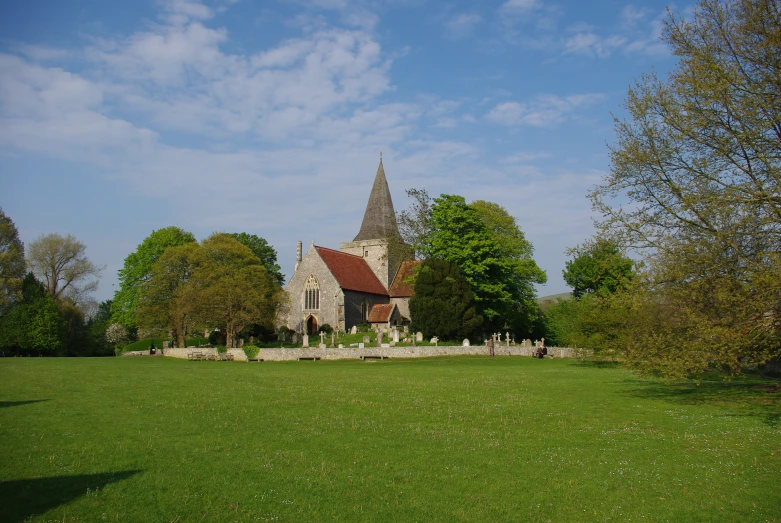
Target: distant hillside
x=546, y=302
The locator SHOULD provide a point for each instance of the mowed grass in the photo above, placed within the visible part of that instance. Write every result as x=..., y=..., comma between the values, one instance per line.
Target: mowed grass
x=441, y=439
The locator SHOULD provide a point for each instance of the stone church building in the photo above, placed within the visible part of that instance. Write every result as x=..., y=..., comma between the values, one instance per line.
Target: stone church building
x=359, y=283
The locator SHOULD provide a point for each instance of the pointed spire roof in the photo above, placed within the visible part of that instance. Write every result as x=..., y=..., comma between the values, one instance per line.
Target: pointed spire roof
x=379, y=220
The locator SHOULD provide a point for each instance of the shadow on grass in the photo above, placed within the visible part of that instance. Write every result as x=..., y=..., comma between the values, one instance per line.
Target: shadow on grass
x=749, y=396
x=23, y=498
x=4, y=404
x=598, y=364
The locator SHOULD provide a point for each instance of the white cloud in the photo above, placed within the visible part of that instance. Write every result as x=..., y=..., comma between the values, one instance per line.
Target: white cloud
x=519, y=5
x=544, y=111
x=590, y=44
x=461, y=25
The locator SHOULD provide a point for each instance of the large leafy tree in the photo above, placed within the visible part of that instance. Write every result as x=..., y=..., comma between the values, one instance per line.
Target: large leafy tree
x=415, y=225
x=240, y=291
x=61, y=264
x=517, y=251
x=264, y=252
x=137, y=270
x=598, y=266
x=443, y=304
x=11, y=264
x=460, y=235
x=173, y=297
x=695, y=184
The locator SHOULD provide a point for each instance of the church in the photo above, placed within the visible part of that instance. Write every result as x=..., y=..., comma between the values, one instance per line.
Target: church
x=358, y=284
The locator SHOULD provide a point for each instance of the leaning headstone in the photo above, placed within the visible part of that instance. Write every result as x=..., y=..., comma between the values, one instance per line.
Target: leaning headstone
x=367, y=339
x=465, y=342
x=354, y=330
x=418, y=336
x=305, y=342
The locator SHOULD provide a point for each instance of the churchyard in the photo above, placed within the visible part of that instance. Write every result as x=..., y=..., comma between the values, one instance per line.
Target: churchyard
x=439, y=439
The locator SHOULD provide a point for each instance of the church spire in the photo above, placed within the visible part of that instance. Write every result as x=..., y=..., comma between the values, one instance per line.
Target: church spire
x=379, y=220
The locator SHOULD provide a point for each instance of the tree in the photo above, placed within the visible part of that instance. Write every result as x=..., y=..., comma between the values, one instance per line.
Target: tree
x=443, y=304
x=137, y=270
x=695, y=185
x=598, y=266
x=97, y=325
x=239, y=292
x=459, y=235
x=11, y=264
x=34, y=323
x=173, y=298
x=264, y=251
x=415, y=226
x=116, y=335
x=515, y=249
x=61, y=264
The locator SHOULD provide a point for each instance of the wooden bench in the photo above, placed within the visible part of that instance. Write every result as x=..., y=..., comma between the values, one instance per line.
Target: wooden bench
x=312, y=358
x=364, y=358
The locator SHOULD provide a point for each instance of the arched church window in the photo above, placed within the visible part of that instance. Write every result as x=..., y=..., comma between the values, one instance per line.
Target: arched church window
x=311, y=293
x=365, y=310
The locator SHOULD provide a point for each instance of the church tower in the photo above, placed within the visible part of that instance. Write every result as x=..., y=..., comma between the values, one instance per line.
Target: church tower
x=378, y=226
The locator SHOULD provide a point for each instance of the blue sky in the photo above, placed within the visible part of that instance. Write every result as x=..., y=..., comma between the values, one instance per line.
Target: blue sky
x=119, y=118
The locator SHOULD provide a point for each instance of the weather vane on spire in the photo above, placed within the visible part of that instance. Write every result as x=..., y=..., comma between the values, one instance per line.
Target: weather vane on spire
x=380, y=154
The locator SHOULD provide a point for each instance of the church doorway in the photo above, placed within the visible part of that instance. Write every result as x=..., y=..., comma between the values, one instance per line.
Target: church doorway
x=311, y=325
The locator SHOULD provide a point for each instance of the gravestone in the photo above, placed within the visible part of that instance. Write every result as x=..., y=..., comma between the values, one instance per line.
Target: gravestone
x=435, y=340
x=332, y=340
x=293, y=338
x=241, y=342
x=361, y=345
x=396, y=335
x=419, y=336
x=465, y=343
x=367, y=339
x=392, y=343
x=354, y=330
x=385, y=345
x=379, y=338
x=341, y=346
x=507, y=338
x=305, y=342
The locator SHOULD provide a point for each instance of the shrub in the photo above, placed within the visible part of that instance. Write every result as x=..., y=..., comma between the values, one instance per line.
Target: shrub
x=251, y=351
x=325, y=328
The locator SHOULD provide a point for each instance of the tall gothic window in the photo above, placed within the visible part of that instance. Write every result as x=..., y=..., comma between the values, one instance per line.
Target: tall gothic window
x=311, y=293
x=365, y=310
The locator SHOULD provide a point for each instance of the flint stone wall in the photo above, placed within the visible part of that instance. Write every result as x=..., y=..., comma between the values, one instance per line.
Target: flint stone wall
x=238, y=354
x=409, y=352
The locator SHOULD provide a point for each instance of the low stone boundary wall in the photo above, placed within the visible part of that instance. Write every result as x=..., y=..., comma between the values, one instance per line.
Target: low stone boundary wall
x=391, y=352
x=407, y=352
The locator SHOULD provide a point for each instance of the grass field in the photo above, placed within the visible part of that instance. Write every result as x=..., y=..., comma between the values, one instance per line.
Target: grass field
x=445, y=439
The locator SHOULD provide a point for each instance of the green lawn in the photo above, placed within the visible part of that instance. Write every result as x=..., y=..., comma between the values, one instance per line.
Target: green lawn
x=445, y=439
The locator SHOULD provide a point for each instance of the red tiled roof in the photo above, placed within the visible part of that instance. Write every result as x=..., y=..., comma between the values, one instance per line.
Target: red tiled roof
x=351, y=271
x=381, y=312
x=404, y=283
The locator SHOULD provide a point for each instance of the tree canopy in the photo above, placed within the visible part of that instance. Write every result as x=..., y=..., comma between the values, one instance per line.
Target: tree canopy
x=695, y=185
x=219, y=283
x=11, y=264
x=265, y=252
x=60, y=263
x=137, y=270
x=598, y=266
x=443, y=304
x=34, y=324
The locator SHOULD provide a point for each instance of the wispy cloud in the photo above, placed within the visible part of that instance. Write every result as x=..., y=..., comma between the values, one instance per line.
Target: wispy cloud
x=461, y=25
x=544, y=111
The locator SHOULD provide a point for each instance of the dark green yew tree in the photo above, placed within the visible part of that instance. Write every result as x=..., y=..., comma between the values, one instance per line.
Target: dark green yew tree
x=443, y=304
